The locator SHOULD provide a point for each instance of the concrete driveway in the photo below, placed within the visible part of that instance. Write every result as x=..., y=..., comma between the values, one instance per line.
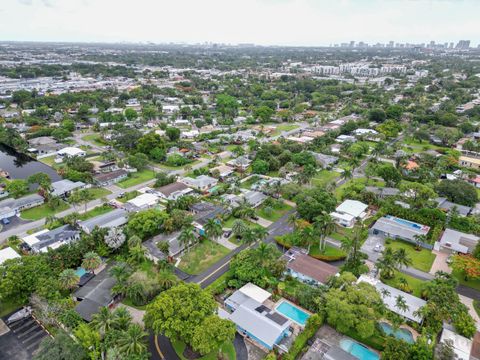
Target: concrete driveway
x=440, y=263
x=369, y=245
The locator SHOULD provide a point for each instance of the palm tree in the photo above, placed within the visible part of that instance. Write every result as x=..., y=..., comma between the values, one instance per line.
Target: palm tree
x=187, y=236
x=134, y=241
x=260, y=233
x=239, y=228
x=50, y=219
x=385, y=293
x=346, y=174
x=401, y=304
x=249, y=237
x=137, y=254
x=401, y=258
x=244, y=210
x=308, y=235
x=213, y=229
x=121, y=273
x=122, y=318
x=324, y=225
x=103, y=321
x=166, y=279
x=292, y=220
x=418, y=240
x=132, y=342
x=91, y=261
x=68, y=279
x=387, y=264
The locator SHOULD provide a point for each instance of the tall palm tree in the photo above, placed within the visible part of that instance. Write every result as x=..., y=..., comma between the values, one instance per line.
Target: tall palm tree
x=260, y=233
x=324, y=225
x=166, y=279
x=103, y=321
x=213, y=229
x=385, y=293
x=187, y=236
x=239, y=227
x=249, y=237
x=401, y=258
x=122, y=318
x=68, y=279
x=346, y=174
x=50, y=219
x=132, y=341
x=387, y=264
x=91, y=261
x=401, y=304
x=308, y=235
x=137, y=254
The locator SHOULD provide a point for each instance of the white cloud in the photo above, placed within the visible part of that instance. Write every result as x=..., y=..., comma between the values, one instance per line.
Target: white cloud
x=292, y=22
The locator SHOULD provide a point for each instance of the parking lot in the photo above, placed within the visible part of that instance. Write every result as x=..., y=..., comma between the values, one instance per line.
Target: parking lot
x=22, y=340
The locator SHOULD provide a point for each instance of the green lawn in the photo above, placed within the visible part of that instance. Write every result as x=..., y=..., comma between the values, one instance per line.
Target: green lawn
x=229, y=223
x=94, y=139
x=137, y=178
x=42, y=211
x=99, y=210
x=49, y=160
x=7, y=307
x=415, y=146
x=284, y=127
x=248, y=184
x=325, y=177
x=421, y=260
x=356, y=181
x=227, y=349
x=98, y=193
x=414, y=283
x=277, y=213
x=474, y=284
x=202, y=256
x=169, y=167
x=329, y=251
x=129, y=302
x=128, y=196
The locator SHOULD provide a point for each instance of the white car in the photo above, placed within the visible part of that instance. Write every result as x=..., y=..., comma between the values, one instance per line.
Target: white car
x=378, y=248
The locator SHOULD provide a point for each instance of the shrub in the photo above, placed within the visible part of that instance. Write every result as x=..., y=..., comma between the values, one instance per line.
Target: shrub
x=313, y=323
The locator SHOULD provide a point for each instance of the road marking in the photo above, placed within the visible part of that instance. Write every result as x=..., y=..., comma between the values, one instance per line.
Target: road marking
x=213, y=273
x=158, y=348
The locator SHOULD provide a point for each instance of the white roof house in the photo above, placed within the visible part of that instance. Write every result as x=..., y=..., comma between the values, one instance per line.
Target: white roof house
x=144, y=201
x=255, y=292
x=202, y=182
x=461, y=345
x=390, y=295
x=457, y=241
x=71, y=151
x=7, y=254
x=352, y=207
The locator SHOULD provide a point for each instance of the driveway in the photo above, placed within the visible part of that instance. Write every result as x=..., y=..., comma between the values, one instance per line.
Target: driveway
x=440, y=263
x=369, y=245
x=471, y=310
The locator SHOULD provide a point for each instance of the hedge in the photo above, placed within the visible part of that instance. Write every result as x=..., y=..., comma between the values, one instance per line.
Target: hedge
x=313, y=324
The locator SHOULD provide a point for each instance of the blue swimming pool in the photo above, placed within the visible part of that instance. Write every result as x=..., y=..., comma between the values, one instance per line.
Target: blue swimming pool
x=401, y=334
x=80, y=271
x=404, y=222
x=293, y=312
x=358, y=350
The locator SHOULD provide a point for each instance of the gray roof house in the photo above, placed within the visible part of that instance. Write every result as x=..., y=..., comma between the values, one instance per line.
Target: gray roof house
x=205, y=210
x=93, y=295
x=445, y=205
x=63, y=187
x=456, y=241
x=11, y=207
x=115, y=218
x=391, y=226
x=254, y=198
x=200, y=183
x=325, y=160
x=45, y=239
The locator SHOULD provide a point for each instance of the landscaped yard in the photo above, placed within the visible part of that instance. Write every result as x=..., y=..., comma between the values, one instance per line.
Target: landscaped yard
x=325, y=177
x=137, y=178
x=169, y=167
x=414, y=283
x=421, y=260
x=98, y=193
x=329, y=251
x=356, y=181
x=474, y=284
x=128, y=196
x=42, y=211
x=99, y=210
x=284, y=127
x=202, y=256
x=227, y=349
x=229, y=223
x=49, y=160
x=94, y=139
x=415, y=146
x=277, y=212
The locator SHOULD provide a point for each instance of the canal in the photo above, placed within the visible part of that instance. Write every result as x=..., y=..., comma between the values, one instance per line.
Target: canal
x=21, y=166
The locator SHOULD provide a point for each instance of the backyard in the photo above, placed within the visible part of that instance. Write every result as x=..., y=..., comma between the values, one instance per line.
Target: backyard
x=202, y=256
x=99, y=210
x=421, y=259
x=42, y=211
x=137, y=178
x=94, y=139
x=275, y=212
x=325, y=177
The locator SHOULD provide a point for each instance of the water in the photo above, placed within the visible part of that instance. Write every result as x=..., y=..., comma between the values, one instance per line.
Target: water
x=21, y=166
x=293, y=313
x=80, y=271
x=401, y=334
x=358, y=350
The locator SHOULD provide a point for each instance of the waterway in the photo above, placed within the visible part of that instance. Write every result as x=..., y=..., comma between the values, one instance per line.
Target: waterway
x=21, y=166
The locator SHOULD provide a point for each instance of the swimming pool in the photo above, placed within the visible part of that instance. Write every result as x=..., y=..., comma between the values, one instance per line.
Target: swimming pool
x=405, y=222
x=401, y=334
x=293, y=312
x=358, y=350
x=80, y=271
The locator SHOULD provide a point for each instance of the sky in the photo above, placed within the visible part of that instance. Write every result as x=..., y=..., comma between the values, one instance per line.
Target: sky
x=262, y=22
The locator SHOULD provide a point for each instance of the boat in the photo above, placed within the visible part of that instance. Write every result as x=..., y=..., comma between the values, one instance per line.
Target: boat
x=20, y=315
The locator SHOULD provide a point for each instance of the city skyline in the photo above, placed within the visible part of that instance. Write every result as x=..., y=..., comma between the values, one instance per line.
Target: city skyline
x=262, y=22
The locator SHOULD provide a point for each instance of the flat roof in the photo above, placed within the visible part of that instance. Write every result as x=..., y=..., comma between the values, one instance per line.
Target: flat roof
x=352, y=207
x=7, y=254
x=461, y=345
x=255, y=292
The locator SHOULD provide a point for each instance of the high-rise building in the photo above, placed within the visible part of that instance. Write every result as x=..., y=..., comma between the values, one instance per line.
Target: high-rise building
x=463, y=44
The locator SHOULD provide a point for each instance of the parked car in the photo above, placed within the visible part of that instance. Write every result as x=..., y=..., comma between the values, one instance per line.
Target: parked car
x=227, y=233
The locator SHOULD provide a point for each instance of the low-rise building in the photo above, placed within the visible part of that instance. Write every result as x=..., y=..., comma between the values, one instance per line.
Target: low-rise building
x=51, y=239
x=224, y=171
x=347, y=213
x=447, y=206
x=397, y=228
x=71, y=152
x=202, y=183
x=173, y=191
x=241, y=163
x=462, y=346
x=142, y=202
x=382, y=192
x=112, y=219
x=307, y=269
x=110, y=178
x=12, y=207
x=63, y=188
x=8, y=254
x=468, y=161
x=254, y=198
x=326, y=161
x=454, y=241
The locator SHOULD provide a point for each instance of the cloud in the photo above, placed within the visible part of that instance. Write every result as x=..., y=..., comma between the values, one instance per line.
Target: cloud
x=26, y=2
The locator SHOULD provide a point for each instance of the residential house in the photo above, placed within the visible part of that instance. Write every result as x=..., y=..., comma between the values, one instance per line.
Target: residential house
x=224, y=171
x=469, y=161
x=326, y=161
x=44, y=145
x=51, y=239
x=307, y=269
x=202, y=183
x=389, y=296
x=254, y=198
x=173, y=191
x=63, y=188
x=345, y=138
x=454, y=241
x=175, y=247
x=12, y=207
x=447, y=206
x=397, y=228
x=71, y=152
x=95, y=294
x=110, y=178
x=347, y=213
x=253, y=319
x=241, y=163
x=462, y=347
x=203, y=211
x=142, y=202
x=382, y=192
x=112, y=219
